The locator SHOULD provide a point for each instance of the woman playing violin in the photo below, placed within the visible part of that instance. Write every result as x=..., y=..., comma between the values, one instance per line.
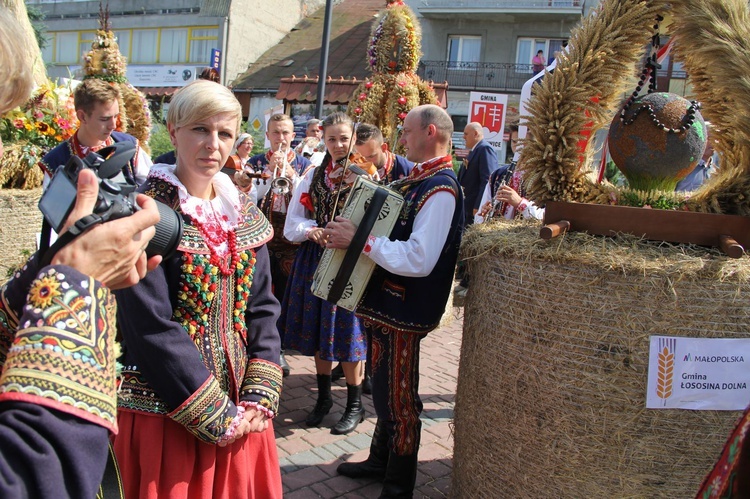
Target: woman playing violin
x=239, y=156
x=242, y=148
x=309, y=324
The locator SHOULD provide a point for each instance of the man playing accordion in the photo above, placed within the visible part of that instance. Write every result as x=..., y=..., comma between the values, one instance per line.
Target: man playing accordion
x=407, y=294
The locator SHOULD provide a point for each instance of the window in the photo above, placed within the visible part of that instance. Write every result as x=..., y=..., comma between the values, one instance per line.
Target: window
x=144, y=46
x=138, y=46
x=201, y=43
x=528, y=47
x=173, y=45
x=123, y=41
x=48, y=52
x=463, y=49
x=66, y=48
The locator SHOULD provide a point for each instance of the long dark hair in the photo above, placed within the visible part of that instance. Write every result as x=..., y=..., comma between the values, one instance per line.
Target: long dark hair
x=337, y=118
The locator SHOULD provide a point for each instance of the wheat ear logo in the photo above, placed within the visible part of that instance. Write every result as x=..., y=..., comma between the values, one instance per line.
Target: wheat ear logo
x=665, y=376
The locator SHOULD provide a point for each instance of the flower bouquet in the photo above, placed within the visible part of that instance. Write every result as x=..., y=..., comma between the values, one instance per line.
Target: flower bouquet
x=30, y=131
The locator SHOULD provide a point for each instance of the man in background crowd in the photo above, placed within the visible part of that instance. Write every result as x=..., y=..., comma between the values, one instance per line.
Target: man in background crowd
x=283, y=169
x=98, y=111
x=473, y=175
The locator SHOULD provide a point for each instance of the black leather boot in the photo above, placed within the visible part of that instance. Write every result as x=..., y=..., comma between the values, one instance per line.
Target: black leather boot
x=354, y=413
x=338, y=372
x=324, y=402
x=400, y=477
x=285, y=369
x=375, y=464
x=367, y=383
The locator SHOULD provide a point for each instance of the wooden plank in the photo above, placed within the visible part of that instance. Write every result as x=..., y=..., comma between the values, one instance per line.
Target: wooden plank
x=704, y=229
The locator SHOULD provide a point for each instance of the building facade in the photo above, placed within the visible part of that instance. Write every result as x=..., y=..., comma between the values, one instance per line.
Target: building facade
x=167, y=43
x=488, y=45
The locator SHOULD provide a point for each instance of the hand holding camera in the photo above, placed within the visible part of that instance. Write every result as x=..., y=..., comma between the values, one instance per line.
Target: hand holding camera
x=106, y=230
x=113, y=253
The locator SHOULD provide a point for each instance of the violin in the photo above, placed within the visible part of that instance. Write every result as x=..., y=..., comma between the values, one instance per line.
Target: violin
x=233, y=163
x=233, y=167
x=357, y=159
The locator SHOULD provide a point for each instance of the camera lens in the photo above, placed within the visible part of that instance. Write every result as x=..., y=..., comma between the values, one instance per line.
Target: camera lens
x=168, y=232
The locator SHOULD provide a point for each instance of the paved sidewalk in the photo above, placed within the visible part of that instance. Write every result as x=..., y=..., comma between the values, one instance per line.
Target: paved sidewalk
x=309, y=456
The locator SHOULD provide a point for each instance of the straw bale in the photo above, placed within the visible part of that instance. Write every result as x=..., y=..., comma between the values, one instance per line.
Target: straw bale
x=20, y=220
x=552, y=380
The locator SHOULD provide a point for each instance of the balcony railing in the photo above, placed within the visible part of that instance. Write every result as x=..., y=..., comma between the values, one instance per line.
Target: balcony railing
x=476, y=75
x=501, y=4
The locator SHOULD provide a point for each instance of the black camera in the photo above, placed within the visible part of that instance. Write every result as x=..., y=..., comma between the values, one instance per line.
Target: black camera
x=115, y=200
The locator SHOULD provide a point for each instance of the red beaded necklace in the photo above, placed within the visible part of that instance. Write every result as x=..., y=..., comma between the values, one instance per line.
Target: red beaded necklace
x=228, y=263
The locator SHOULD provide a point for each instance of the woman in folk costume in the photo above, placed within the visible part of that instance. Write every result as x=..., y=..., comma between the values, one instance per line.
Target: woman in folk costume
x=309, y=324
x=241, y=151
x=201, y=379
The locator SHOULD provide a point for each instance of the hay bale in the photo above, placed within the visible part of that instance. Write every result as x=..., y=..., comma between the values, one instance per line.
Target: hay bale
x=20, y=221
x=552, y=379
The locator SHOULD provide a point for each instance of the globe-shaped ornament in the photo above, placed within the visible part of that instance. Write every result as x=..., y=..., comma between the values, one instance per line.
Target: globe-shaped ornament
x=657, y=140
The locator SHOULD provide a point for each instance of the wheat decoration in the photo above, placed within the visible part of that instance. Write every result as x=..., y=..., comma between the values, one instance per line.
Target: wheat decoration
x=712, y=39
x=665, y=377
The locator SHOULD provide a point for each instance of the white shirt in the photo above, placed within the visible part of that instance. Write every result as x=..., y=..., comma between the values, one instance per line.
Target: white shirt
x=261, y=187
x=415, y=257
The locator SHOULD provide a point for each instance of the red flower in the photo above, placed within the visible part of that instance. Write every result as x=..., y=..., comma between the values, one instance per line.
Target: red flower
x=402, y=116
x=306, y=201
x=362, y=96
x=401, y=84
x=402, y=100
x=358, y=110
x=368, y=85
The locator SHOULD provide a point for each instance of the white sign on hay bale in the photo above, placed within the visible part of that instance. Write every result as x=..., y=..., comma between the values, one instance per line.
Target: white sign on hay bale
x=698, y=373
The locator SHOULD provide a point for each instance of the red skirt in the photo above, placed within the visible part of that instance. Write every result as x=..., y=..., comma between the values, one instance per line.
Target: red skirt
x=158, y=458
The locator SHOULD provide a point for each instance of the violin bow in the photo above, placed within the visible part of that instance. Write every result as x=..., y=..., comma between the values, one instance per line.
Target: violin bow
x=395, y=136
x=347, y=161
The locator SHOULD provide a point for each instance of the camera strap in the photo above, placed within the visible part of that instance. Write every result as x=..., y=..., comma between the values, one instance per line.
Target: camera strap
x=82, y=225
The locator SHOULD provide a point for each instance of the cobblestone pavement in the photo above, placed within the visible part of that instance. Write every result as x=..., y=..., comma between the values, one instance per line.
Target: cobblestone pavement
x=309, y=456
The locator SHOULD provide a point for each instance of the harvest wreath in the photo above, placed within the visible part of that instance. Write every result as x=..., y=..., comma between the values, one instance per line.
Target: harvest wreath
x=712, y=39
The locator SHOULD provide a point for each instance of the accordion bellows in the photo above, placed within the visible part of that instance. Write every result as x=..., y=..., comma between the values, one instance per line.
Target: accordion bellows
x=354, y=209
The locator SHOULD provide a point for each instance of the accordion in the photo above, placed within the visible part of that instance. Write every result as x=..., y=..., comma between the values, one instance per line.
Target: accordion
x=342, y=275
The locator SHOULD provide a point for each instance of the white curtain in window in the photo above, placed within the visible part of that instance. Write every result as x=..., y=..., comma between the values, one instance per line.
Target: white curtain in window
x=66, y=48
x=123, y=41
x=200, y=51
x=523, y=55
x=48, y=52
x=454, y=49
x=173, y=45
x=205, y=33
x=144, y=46
x=464, y=48
x=554, y=46
x=470, y=49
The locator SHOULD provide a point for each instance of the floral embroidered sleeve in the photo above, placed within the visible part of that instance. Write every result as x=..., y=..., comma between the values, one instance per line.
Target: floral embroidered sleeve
x=62, y=356
x=57, y=389
x=262, y=383
x=12, y=298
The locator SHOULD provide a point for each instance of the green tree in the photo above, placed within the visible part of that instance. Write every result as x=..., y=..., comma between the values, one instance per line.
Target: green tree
x=37, y=17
